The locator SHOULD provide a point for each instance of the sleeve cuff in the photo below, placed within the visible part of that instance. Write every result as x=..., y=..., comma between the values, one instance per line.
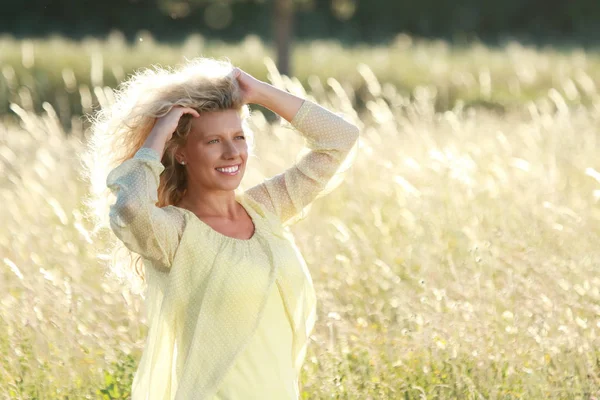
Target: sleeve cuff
x=303, y=111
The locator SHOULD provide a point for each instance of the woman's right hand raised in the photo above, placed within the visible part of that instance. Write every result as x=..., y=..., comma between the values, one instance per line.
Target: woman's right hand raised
x=167, y=124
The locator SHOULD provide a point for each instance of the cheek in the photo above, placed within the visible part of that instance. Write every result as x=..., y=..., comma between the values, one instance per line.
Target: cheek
x=210, y=152
x=243, y=149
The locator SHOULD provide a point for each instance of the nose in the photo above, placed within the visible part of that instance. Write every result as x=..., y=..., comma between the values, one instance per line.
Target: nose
x=231, y=150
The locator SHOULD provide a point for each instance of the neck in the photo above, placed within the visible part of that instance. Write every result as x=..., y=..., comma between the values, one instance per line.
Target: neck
x=220, y=203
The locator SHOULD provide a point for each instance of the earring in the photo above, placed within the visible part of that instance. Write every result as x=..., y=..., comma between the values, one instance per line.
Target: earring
x=182, y=163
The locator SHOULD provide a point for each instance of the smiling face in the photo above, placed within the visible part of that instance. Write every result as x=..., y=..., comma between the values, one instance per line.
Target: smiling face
x=215, y=152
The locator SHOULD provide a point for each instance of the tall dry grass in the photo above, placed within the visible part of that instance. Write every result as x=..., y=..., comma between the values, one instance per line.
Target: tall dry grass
x=457, y=261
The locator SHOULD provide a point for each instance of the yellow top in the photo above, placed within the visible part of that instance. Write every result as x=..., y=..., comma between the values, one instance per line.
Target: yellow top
x=262, y=371
x=208, y=293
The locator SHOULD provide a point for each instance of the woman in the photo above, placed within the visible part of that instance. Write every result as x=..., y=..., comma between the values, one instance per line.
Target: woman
x=229, y=298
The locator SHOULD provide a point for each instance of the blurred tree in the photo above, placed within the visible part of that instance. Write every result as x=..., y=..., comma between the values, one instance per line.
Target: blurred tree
x=283, y=19
x=533, y=22
x=218, y=15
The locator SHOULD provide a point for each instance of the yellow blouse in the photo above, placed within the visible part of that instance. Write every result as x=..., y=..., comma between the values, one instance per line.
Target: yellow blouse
x=212, y=301
x=262, y=371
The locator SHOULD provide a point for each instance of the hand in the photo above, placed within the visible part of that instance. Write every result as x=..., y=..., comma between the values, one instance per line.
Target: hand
x=249, y=85
x=167, y=124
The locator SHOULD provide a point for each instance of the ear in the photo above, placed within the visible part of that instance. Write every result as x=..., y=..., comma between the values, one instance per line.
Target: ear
x=179, y=156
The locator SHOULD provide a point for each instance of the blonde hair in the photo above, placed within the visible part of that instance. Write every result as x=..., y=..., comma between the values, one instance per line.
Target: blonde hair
x=118, y=130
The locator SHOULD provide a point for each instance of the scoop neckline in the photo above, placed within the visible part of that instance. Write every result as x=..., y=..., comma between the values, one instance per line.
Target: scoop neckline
x=240, y=201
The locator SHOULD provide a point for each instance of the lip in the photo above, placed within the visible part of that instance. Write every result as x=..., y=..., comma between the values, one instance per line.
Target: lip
x=229, y=166
x=237, y=170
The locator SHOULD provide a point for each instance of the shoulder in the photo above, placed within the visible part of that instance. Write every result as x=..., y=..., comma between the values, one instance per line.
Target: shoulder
x=176, y=215
x=174, y=212
x=266, y=217
x=256, y=207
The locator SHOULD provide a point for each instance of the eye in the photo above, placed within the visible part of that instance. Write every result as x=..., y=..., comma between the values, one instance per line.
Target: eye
x=214, y=140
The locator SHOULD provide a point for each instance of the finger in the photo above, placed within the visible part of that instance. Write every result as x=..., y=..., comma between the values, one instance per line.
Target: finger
x=188, y=110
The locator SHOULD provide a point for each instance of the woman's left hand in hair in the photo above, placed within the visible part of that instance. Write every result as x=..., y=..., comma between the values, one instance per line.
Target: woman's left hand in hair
x=249, y=85
x=258, y=92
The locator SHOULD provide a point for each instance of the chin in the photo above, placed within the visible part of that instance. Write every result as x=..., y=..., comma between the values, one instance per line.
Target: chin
x=234, y=184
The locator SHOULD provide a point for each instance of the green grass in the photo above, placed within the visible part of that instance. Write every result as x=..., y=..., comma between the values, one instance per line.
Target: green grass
x=458, y=260
x=62, y=72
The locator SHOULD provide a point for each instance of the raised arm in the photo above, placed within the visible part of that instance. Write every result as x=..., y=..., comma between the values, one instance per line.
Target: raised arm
x=148, y=230
x=144, y=228
x=330, y=139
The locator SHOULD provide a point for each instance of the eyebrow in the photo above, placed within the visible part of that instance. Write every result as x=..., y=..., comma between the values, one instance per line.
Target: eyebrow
x=222, y=134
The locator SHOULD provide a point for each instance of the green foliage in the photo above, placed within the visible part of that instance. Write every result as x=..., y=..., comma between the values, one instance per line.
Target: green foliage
x=118, y=379
x=349, y=20
x=68, y=74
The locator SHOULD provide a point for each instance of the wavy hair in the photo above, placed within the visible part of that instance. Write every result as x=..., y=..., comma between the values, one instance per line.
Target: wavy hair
x=119, y=129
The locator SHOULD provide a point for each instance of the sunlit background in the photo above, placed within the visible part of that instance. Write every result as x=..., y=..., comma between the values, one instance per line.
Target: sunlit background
x=458, y=260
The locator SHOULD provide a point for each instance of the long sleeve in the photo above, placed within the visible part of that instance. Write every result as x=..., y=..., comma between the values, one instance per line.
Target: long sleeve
x=144, y=228
x=330, y=139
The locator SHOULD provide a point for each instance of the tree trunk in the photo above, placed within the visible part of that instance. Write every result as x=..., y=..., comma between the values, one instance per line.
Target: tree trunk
x=283, y=19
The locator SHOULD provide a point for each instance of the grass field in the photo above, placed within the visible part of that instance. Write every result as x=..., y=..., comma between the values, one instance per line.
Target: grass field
x=458, y=260
x=62, y=72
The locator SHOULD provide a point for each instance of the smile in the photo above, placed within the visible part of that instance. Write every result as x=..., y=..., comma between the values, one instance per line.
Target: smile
x=229, y=170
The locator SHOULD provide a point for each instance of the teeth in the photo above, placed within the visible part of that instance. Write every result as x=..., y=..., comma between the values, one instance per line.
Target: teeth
x=230, y=169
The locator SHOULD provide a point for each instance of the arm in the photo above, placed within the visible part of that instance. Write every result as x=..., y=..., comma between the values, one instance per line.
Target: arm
x=144, y=228
x=279, y=101
x=150, y=231
x=330, y=139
